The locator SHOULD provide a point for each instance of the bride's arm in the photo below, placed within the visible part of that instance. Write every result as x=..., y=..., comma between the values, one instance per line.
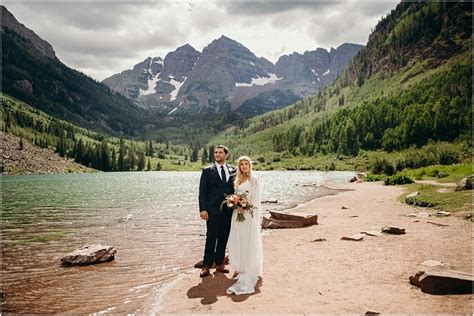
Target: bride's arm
x=256, y=197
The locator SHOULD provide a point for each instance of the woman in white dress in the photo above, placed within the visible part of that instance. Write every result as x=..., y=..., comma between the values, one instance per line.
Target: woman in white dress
x=245, y=239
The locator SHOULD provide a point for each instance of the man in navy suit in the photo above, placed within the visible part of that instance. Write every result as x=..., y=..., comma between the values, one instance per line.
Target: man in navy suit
x=217, y=180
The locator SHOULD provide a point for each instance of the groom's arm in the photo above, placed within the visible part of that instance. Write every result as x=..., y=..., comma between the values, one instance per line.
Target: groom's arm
x=203, y=187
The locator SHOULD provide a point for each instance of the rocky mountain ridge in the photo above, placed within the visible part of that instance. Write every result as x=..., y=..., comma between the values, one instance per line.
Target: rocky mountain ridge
x=9, y=23
x=228, y=76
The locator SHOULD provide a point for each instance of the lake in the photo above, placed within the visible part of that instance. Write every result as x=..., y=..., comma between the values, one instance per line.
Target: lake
x=46, y=216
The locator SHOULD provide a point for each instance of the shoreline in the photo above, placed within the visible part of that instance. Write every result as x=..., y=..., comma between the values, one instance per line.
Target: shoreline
x=162, y=291
x=374, y=268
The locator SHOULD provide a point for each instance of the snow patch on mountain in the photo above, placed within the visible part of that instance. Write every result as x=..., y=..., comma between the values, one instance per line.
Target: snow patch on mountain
x=170, y=112
x=177, y=85
x=151, y=86
x=260, y=81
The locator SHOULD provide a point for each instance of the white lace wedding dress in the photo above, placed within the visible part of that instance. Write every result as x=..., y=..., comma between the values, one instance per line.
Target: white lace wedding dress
x=245, y=242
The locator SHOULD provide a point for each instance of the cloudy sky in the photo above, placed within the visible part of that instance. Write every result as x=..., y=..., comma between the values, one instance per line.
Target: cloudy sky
x=104, y=38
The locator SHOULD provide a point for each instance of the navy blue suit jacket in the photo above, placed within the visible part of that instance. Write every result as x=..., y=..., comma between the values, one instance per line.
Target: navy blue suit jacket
x=212, y=189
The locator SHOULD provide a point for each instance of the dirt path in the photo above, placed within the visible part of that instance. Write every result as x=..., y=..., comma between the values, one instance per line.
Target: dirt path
x=337, y=276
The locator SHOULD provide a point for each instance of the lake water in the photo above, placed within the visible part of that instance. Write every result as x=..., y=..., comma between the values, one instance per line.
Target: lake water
x=46, y=216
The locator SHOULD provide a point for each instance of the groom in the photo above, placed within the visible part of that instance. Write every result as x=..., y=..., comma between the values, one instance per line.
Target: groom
x=216, y=182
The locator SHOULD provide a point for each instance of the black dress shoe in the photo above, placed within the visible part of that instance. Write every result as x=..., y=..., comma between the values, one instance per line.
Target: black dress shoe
x=204, y=272
x=221, y=268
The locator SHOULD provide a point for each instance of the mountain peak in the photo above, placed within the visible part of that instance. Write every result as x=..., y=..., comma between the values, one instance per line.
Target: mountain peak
x=186, y=47
x=224, y=40
x=11, y=23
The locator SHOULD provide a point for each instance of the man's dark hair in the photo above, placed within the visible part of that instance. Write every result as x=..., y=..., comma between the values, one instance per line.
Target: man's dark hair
x=226, y=150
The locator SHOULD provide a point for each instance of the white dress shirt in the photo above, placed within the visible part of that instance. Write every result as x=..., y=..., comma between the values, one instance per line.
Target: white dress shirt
x=226, y=170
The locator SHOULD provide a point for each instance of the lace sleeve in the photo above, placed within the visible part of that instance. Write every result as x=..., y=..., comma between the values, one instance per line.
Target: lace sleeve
x=256, y=198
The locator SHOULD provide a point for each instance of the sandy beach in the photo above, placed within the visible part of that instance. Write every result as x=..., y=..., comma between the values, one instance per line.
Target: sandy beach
x=338, y=276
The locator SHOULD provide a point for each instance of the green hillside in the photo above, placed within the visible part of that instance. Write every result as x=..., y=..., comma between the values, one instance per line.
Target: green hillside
x=399, y=92
x=49, y=85
x=90, y=148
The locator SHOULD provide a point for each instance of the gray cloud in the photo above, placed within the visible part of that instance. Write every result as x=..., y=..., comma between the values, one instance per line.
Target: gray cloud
x=87, y=16
x=104, y=38
x=345, y=22
x=274, y=7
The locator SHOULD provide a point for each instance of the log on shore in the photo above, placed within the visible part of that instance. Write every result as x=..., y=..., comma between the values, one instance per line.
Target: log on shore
x=287, y=220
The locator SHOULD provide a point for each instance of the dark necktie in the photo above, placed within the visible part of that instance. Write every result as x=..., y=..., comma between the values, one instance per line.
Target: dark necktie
x=223, y=175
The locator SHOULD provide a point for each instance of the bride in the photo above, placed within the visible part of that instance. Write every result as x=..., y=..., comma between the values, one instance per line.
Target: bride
x=245, y=240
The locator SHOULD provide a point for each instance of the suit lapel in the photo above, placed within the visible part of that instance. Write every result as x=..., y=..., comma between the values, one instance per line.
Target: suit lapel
x=231, y=173
x=216, y=173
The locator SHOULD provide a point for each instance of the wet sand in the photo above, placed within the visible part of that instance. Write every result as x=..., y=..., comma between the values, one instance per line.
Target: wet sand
x=338, y=276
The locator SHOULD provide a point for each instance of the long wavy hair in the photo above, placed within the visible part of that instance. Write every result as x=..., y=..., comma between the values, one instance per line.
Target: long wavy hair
x=238, y=176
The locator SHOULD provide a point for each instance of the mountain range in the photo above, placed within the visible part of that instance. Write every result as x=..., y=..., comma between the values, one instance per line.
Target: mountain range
x=228, y=76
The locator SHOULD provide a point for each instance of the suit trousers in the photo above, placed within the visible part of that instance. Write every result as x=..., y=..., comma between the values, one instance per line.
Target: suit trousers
x=218, y=229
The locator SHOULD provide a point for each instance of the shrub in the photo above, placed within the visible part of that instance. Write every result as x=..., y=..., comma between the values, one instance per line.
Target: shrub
x=449, y=155
x=374, y=177
x=417, y=158
x=398, y=179
x=381, y=164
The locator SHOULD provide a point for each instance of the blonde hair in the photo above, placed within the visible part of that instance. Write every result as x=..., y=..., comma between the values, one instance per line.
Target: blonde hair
x=239, y=175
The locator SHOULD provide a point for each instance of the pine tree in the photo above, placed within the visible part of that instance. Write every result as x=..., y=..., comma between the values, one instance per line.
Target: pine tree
x=211, y=153
x=21, y=143
x=121, y=165
x=150, y=151
x=194, y=155
x=113, y=160
x=79, y=151
x=8, y=121
x=96, y=161
x=61, y=146
x=148, y=167
x=204, y=156
x=158, y=166
x=141, y=161
x=132, y=159
x=104, y=156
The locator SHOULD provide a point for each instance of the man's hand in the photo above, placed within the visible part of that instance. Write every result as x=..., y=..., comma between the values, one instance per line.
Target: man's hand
x=204, y=215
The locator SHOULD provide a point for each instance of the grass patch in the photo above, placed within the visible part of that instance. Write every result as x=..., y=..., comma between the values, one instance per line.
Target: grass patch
x=285, y=161
x=451, y=173
x=453, y=201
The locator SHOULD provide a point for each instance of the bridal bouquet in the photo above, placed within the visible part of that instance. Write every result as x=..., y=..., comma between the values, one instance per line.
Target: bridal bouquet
x=240, y=203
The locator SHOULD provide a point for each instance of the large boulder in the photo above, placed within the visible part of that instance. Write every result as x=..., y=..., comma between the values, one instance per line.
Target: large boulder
x=443, y=282
x=464, y=184
x=89, y=254
x=354, y=179
x=287, y=220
